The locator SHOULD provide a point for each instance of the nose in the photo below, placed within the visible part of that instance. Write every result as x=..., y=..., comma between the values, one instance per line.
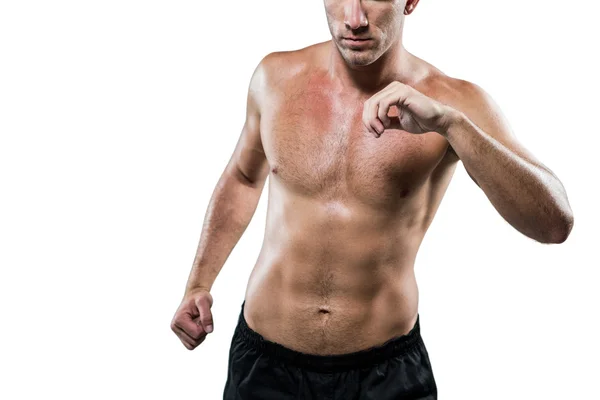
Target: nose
x=354, y=15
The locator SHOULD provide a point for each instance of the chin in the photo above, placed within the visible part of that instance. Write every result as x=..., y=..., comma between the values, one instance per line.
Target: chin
x=359, y=61
x=359, y=58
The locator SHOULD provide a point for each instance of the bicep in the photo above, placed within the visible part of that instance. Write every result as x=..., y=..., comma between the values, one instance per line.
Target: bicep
x=248, y=160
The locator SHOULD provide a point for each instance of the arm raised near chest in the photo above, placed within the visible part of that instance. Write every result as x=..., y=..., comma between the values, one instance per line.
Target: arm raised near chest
x=475, y=103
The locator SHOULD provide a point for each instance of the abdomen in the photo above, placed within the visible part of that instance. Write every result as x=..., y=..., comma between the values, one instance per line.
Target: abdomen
x=329, y=271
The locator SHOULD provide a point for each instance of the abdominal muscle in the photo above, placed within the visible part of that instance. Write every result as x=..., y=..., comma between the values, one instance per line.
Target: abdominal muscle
x=333, y=278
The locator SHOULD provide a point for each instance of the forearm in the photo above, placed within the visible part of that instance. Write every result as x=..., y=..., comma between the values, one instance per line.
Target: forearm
x=228, y=214
x=529, y=197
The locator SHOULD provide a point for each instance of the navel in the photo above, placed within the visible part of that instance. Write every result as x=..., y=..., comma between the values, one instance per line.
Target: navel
x=324, y=311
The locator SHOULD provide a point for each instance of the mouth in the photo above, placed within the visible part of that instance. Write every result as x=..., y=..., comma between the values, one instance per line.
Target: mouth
x=356, y=42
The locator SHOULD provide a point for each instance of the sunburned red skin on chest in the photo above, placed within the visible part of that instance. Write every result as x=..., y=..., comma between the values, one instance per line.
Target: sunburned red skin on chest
x=313, y=135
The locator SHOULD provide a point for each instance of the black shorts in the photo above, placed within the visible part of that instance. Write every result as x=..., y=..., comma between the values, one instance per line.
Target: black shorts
x=263, y=370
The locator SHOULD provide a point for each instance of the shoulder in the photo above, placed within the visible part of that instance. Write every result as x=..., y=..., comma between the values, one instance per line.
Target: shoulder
x=280, y=73
x=283, y=66
x=477, y=105
x=455, y=92
x=470, y=99
x=467, y=97
x=273, y=70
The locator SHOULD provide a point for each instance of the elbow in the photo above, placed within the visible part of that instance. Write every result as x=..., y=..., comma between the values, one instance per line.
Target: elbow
x=562, y=229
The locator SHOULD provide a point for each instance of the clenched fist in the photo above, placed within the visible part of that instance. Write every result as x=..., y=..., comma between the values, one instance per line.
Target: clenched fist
x=417, y=113
x=193, y=319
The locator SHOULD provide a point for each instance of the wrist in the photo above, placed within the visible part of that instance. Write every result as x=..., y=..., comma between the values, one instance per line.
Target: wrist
x=195, y=289
x=451, y=119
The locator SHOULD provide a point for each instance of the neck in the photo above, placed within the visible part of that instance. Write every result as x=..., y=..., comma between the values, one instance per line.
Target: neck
x=392, y=65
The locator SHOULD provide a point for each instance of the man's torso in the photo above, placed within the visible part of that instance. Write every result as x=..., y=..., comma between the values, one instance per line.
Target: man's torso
x=346, y=214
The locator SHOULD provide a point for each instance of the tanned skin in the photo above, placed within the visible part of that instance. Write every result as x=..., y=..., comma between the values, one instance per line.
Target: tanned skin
x=348, y=208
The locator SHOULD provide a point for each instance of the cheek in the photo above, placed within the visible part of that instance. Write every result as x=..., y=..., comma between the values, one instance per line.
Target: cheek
x=334, y=10
x=389, y=19
x=387, y=31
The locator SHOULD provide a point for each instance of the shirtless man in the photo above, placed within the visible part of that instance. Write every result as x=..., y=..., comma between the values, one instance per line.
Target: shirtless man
x=360, y=139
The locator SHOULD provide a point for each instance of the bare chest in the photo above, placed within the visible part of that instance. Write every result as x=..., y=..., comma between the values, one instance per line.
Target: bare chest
x=317, y=145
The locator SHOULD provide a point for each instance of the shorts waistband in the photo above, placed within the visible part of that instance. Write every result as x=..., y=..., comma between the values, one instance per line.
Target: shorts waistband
x=335, y=362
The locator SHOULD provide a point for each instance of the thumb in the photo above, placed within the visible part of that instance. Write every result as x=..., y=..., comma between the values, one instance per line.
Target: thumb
x=206, y=320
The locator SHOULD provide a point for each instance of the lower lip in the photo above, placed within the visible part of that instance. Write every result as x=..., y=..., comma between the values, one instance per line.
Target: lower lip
x=357, y=42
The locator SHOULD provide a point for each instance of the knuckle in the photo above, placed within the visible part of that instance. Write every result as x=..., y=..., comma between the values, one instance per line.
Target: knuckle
x=198, y=333
x=174, y=324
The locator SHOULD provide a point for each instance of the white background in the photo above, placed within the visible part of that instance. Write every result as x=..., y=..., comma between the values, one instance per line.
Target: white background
x=117, y=119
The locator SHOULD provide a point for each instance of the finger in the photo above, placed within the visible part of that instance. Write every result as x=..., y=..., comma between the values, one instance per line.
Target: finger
x=190, y=327
x=400, y=95
x=374, y=112
x=194, y=341
x=370, y=120
x=384, y=108
x=405, y=93
x=365, y=116
x=206, y=318
x=193, y=333
x=187, y=341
